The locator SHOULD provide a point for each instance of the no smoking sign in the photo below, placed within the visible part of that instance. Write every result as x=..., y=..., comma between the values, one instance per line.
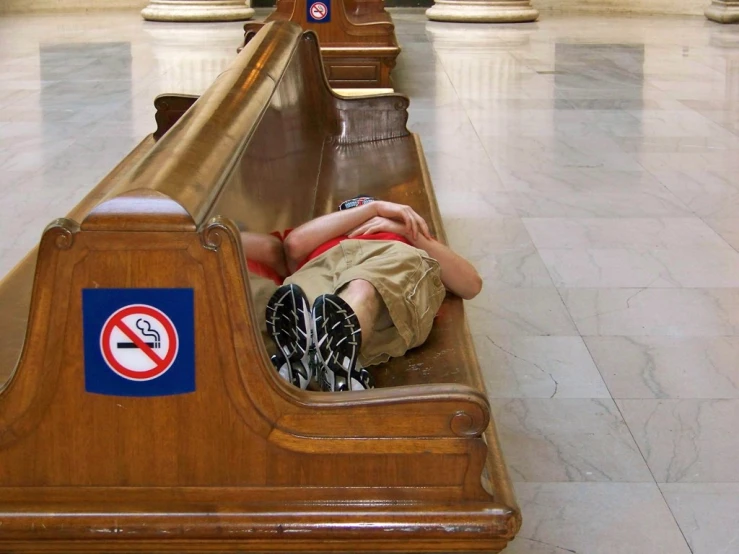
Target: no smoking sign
x=139, y=342
x=319, y=11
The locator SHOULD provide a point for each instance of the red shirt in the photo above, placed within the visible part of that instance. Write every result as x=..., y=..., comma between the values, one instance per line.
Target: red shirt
x=263, y=270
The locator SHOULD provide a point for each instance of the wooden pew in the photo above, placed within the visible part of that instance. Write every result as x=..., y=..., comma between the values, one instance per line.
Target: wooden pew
x=245, y=461
x=358, y=44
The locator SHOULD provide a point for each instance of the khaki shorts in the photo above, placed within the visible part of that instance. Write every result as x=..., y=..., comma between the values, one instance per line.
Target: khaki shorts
x=408, y=280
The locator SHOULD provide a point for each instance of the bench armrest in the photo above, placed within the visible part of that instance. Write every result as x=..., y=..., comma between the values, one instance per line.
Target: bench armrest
x=418, y=411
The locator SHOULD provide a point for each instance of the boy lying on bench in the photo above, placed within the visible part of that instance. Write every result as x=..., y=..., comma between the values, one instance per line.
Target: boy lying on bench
x=365, y=286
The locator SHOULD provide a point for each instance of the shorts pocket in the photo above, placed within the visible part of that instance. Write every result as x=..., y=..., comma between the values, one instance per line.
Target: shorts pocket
x=425, y=298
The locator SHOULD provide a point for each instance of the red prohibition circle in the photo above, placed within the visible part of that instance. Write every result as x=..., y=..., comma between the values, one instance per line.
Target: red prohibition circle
x=162, y=364
x=318, y=10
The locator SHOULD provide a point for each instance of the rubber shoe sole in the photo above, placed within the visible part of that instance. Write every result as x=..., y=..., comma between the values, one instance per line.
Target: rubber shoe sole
x=288, y=319
x=338, y=341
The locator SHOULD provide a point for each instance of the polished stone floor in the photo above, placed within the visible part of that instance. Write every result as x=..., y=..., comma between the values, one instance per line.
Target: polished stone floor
x=589, y=166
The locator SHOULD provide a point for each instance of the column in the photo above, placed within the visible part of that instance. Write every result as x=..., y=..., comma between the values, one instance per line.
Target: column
x=723, y=11
x=483, y=11
x=198, y=10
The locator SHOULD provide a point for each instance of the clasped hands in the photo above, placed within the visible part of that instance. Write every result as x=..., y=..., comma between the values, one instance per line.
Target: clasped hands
x=393, y=218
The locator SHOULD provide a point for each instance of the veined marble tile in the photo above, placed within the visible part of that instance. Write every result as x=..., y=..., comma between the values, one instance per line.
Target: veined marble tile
x=592, y=79
x=654, y=312
x=34, y=156
x=516, y=104
x=438, y=93
x=477, y=236
x=105, y=129
x=503, y=268
x=709, y=105
x=728, y=228
x=668, y=367
x=708, y=267
x=708, y=514
x=508, y=139
x=666, y=66
x=543, y=153
x=9, y=257
x=686, y=441
x=671, y=144
x=425, y=121
x=671, y=123
x=15, y=96
x=602, y=93
x=595, y=518
x=582, y=192
x=538, y=367
x=86, y=114
x=104, y=147
x=582, y=181
x=655, y=203
x=474, y=204
x=489, y=97
x=534, y=122
x=464, y=146
x=449, y=173
x=637, y=234
x=725, y=161
x=706, y=193
x=516, y=312
x=693, y=89
x=72, y=101
x=727, y=209
x=556, y=440
x=727, y=117
x=665, y=103
x=72, y=90
x=476, y=91
x=56, y=179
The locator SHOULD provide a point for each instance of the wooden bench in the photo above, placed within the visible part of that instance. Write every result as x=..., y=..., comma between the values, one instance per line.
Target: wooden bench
x=246, y=461
x=358, y=44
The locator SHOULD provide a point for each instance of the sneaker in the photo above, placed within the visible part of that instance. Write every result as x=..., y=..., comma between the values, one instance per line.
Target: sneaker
x=289, y=323
x=338, y=340
x=297, y=373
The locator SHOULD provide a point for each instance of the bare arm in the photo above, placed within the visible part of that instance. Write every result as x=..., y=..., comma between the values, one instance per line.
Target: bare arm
x=457, y=274
x=265, y=249
x=305, y=239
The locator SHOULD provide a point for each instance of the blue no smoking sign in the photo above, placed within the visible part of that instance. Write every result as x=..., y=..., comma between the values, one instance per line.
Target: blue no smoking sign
x=139, y=342
x=319, y=11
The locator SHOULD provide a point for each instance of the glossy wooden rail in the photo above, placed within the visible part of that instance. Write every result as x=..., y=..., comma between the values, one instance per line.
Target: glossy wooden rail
x=358, y=44
x=246, y=462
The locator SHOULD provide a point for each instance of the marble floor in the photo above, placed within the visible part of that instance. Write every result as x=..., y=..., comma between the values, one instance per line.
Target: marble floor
x=589, y=166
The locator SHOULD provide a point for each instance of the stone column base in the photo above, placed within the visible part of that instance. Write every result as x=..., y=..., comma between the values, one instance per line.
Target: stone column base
x=726, y=11
x=483, y=11
x=197, y=10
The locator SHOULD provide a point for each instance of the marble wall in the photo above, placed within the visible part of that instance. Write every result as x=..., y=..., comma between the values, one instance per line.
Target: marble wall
x=687, y=7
